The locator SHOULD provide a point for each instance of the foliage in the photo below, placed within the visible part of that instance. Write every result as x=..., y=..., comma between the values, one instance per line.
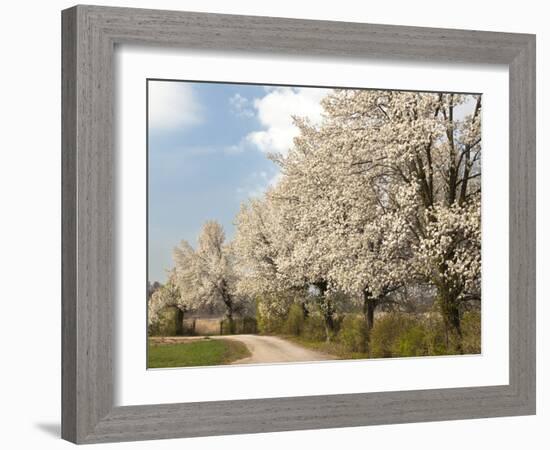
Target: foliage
x=295, y=320
x=271, y=311
x=168, y=323
x=165, y=298
x=399, y=334
x=250, y=325
x=385, y=335
x=412, y=342
x=471, y=332
x=314, y=328
x=334, y=348
x=204, y=352
x=435, y=336
x=353, y=333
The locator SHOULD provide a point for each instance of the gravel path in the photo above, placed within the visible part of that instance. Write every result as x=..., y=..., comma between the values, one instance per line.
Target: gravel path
x=271, y=349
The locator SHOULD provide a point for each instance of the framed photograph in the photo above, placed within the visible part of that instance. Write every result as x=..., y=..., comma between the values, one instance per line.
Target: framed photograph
x=278, y=224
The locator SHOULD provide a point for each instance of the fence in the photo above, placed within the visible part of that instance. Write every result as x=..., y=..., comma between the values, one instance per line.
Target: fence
x=217, y=326
x=245, y=325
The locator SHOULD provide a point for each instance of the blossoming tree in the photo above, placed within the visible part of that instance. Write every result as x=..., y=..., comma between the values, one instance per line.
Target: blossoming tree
x=165, y=296
x=206, y=276
x=342, y=229
x=420, y=153
x=386, y=191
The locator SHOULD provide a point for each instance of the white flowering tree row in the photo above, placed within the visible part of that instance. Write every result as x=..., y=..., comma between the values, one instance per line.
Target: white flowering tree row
x=383, y=194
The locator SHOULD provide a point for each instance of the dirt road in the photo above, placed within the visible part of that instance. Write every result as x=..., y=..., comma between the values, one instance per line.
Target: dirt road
x=270, y=349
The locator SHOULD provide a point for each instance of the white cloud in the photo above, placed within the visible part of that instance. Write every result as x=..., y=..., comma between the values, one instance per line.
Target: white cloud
x=172, y=105
x=275, y=111
x=258, y=183
x=240, y=106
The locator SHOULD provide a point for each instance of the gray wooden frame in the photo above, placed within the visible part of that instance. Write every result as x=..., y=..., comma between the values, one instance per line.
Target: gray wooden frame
x=89, y=36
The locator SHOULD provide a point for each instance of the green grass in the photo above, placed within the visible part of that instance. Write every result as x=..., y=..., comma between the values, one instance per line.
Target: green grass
x=332, y=348
x=206, y=352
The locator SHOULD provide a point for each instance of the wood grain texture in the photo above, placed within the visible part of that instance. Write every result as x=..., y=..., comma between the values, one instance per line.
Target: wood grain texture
x=89, y=36
x=68, y=225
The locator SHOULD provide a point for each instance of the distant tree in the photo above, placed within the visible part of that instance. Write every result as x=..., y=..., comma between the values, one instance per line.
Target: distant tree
x=152, y=287
x=206, y=276
x=165, y=296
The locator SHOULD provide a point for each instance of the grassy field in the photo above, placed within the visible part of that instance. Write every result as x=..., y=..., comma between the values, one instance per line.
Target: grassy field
x=204, y=352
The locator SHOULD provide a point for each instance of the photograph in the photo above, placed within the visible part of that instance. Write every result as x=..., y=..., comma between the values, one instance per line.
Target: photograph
x=264, y=225
x=291, y=224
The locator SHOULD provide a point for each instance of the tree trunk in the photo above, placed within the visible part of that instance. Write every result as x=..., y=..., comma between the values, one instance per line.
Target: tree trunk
x=329, y=326
x=327, y=309
x=179, y=322
x=230, y=321
x=228, y=302
x=451, y=318
x=369, y=305
x=305, y=311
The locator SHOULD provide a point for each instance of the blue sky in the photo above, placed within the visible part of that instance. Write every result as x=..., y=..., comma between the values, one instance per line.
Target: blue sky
x=208, y=146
